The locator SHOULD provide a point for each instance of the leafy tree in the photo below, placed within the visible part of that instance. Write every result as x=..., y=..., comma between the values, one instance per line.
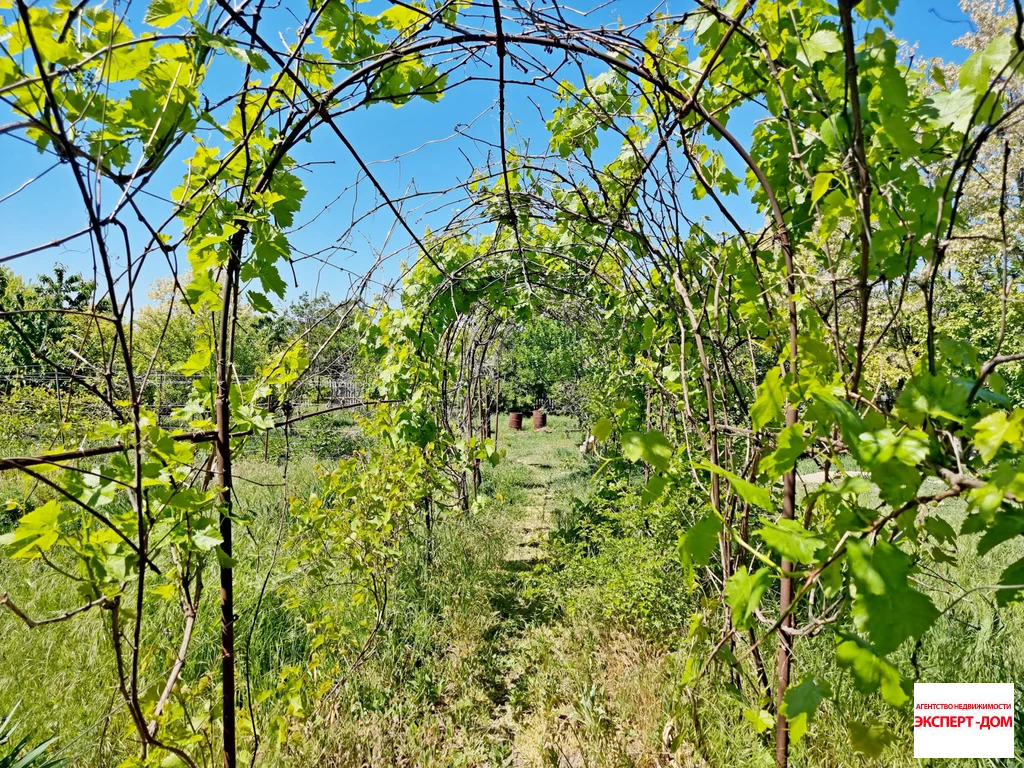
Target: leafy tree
x=542, y=363
x=982, y=310
x=166, y=332
x=45, y=318
x=322, y=324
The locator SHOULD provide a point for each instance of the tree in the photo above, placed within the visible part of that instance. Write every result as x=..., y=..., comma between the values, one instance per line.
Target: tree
x=985, y=255
x=166, y=332
x=46, y=318
x=540, y=361
x=322, y=324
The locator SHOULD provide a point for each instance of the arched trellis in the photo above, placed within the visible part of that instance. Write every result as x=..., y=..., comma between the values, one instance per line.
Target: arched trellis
x=638, y=247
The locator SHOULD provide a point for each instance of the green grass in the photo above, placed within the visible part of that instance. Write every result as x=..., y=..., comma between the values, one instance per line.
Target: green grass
x=549, y=629
x=62, y=674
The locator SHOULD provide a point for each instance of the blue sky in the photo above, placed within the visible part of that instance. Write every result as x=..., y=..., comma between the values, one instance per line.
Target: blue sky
x=51, y=206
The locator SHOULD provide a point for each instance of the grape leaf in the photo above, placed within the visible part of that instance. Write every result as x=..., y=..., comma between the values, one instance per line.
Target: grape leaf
x=602, y=429
x=767, y=406
x=870, y=672
x=791, y=540
x=885, y=607
x=760, y=719
x=651, y=446
x=818, y=46
x=991, y=432
x=799, y=704
x=697, y=543
x=897, y=483
x=870, y=739
x=1012, y=584
x=37, y=531
x=750, y=493
x=743, y=594
x=654, y=489
x=164, y=13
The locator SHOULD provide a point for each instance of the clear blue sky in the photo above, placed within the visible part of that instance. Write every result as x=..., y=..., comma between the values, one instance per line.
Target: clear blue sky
x=51, y=206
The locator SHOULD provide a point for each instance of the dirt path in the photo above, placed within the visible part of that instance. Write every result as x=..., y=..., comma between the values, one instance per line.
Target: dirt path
x=817, y=478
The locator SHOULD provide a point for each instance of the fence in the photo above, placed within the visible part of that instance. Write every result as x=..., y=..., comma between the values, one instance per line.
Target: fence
x=165, y=391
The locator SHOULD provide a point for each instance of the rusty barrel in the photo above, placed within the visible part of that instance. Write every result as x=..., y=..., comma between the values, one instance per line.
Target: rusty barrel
x=540, y=419
x=515, y=420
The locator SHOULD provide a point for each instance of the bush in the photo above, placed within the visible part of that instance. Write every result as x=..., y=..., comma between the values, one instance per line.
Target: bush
x=624, y=551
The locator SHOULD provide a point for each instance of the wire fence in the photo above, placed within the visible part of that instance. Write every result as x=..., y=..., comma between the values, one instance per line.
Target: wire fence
x=163, y=391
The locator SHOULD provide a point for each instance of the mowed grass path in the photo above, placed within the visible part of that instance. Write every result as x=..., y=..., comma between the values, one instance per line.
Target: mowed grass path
x=548, y=456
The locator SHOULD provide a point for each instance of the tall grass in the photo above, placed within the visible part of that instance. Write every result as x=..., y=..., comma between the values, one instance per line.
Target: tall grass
x=495, y=652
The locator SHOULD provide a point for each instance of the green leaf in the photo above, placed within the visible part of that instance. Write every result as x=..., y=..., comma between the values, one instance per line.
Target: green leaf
x=767, y=406
x=172, y=761
x=871, y=739
x=647, y=332
x=633, y=446
x=900, y=135
x=1011, y=584
x=885, y=607
x=897, y=483
x=650, y=446
x=128, y=63
x=92, y=490
x=939, y=529
x=207, y=534
x=870, y=672
x=991, y=432
x=232, y=48
x=403, y=19
x=981, y=66
x=223, y=560
x=37, y=531
x=834, y=131
x=827, y=408
x=821, y=185
x=799, y=704
x=790, y=446
x=819, y=45
x=743, y=594
x=260, y=302
x=199, y=361
x=164, y=13
x=832, y=579
x=290, y=193
x=654, y=489
x=697, y=543
x=750, y=493
x=760, y=719
x=250, y=57
x=1005, y=526
x=952, y=110
x=602, y=429
x=203, y=292
x=657, y=450
x=910, y=447
x=791, y=540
